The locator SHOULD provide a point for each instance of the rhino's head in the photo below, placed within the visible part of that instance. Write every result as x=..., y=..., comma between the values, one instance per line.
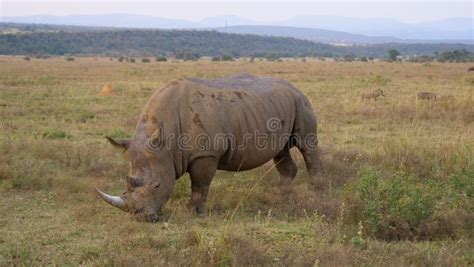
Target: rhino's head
x=151, y=177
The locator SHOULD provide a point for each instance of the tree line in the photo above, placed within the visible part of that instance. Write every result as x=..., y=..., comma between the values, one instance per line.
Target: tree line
x=190, y=44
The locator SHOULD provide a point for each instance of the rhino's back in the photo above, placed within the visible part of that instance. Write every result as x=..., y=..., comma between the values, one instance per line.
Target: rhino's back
x=246, y=82
x=238, y=106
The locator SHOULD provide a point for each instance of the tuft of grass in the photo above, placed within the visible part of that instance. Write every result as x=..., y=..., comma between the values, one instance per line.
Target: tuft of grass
x=56, y=134
x=375, y=80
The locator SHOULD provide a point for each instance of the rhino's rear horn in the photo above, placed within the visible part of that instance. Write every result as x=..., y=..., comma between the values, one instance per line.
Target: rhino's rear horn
x=120, y=143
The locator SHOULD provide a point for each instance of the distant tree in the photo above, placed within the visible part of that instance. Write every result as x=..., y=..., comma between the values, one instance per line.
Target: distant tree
x=187, y=55
x=420, y=59
x=226, y=57
x=348, y=58
x=393, y=54
x=272, y=57
x=456, y=56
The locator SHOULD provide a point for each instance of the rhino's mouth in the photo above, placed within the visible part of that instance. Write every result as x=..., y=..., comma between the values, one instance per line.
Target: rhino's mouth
x=151, y=217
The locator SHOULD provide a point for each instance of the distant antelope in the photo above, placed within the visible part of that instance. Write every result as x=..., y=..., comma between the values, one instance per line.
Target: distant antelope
x=427, y=96
x=373, y=94
x=471, y=68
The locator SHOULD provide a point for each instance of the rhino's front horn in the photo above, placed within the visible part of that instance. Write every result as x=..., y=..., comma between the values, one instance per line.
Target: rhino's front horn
x=112, y=200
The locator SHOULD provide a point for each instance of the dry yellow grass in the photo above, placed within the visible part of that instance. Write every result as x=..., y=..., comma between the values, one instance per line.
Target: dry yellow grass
x=53, y=152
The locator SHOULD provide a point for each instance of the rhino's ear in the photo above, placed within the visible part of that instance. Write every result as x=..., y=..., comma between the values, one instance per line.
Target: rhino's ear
x=120, y=143
x=157, y=139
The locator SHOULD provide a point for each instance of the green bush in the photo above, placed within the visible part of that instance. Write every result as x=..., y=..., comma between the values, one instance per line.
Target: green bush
x=393, y=208
x=226, y=57
x=160, y=58
x=463, y=183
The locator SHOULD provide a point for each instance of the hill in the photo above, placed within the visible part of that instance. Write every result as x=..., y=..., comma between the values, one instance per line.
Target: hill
x=447, y=30
x=327, y=36
x=316, y=35
x=140, y=42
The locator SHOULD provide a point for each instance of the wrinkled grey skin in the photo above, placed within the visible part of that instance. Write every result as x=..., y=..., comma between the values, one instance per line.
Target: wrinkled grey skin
x=237, y=106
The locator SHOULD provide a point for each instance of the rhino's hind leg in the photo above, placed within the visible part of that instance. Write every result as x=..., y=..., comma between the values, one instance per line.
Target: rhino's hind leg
x=306, y=141
x=314, y=166
x=201, y=170
x=285, y=165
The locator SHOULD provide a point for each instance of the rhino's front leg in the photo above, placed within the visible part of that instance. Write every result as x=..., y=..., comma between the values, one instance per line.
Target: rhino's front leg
x=202, y=170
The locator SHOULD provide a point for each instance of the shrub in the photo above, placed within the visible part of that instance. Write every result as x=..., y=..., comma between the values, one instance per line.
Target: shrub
x=27, y=58
x=145, y=60
x=160, y=59
x=394, y=208
x=463, y=183
x=70, y=59
x=348, y=58
x=215, y=59
x=187, y=55
x=226, y=57
x=121, y=59
x=421, y=59
x=131, y=60
x=272, y=57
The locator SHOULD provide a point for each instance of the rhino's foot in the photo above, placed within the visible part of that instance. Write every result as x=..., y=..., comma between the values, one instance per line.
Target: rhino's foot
x=200, y=210
x=318, y=183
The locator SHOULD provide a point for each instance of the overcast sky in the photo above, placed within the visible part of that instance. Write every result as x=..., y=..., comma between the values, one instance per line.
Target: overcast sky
x=407, y=11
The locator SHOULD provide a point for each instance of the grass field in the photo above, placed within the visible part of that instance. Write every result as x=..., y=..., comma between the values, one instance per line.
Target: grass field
x=400, y=171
